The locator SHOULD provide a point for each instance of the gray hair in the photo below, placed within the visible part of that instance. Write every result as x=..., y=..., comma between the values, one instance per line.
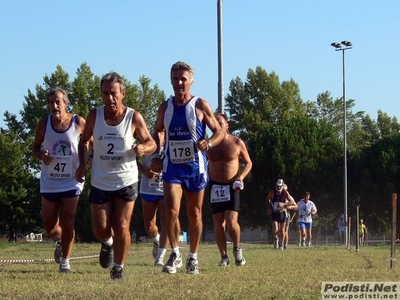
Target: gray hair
x=114, y=77
x=180, y=65
x=57, y=90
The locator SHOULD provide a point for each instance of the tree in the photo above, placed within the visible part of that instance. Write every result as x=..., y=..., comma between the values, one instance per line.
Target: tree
x=85, y=93
x=262, y=100
x=373, y=179
x=330, y=110
x=145, y=99
x=17, y=196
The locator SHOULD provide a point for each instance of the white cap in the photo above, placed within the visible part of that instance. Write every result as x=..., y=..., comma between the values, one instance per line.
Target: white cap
x=279, y=182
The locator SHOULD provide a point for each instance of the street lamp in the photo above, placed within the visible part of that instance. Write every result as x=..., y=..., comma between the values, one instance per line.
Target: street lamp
x=343, y=46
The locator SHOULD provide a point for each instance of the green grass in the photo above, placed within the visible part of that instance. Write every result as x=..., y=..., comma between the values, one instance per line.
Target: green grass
x=295, y=273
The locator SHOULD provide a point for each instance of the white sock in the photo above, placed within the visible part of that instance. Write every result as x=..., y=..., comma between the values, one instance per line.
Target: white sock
x=157, y=238
x=176, y=250
x=192, y=255
x=162, y=251
x=118, y=265
x=109, y=242
x=65, y=260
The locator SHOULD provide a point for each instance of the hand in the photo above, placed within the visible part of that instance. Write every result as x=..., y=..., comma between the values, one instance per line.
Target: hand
x=156, y=165
x=238, y=185
x=80, y=173
x=138, y=149
x=202, y=145
x=46, y=158
x=149, y=173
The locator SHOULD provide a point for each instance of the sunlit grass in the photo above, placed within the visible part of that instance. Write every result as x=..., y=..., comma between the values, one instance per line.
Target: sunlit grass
x=295, y=273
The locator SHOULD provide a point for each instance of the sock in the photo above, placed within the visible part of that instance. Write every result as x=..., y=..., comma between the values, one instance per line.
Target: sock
x=192, y=255
x=118, y=266
x=235, y=248
x=156, y=238
x=109, y=242
x=162, y=251
x=176, y=250
x=64, y=260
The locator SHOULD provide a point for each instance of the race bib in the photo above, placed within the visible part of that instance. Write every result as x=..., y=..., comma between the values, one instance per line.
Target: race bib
x=60, y=167
x=220, y=193
x=113, y=150
x=276, y=207
x=181, y=151
x=156, y=181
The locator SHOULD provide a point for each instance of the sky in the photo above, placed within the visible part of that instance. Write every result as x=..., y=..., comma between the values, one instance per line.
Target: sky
x=136, y=38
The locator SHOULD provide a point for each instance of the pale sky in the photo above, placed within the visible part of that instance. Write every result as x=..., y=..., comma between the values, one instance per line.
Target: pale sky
x=135, y=38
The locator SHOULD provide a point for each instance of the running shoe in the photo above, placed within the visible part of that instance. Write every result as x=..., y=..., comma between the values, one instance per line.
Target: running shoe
x=64, y=267
x=225, y=262
x=303, y=242
x=106, y=256
x=239, y=259
x=117, y=273
x=58, y=252
x=174, y=262
x=309, y=244
x=159, y=262
x=192, y=266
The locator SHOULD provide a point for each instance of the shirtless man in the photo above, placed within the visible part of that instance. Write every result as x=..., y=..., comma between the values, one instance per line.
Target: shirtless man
x=226, y=181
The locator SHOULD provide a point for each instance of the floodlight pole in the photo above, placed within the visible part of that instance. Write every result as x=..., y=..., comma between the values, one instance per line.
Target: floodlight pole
x=343, y=46
x=220, y=60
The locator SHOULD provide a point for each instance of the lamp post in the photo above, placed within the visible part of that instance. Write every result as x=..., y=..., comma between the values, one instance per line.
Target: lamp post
x=343, y=46
x=221, y=107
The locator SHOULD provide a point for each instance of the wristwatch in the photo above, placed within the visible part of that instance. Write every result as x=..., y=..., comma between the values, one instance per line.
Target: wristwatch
x=209, y=145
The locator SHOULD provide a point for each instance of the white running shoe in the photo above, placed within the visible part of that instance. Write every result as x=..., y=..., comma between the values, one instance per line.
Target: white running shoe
x=225, y=262
x=192, y=266
x=64, y=267
x=276, y=243
x=174, y=262
x=239, y=259
x=159, y=262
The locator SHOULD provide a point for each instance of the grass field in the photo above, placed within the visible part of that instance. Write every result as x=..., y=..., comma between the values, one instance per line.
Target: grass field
x=295, y=273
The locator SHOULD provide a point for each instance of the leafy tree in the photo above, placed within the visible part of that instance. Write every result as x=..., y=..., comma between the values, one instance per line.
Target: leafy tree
x=261, y=100
x=373, y=180
x=85, y=93
x=145, y=99
x=17, y=196
x=330, y=110
x=387, y=126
